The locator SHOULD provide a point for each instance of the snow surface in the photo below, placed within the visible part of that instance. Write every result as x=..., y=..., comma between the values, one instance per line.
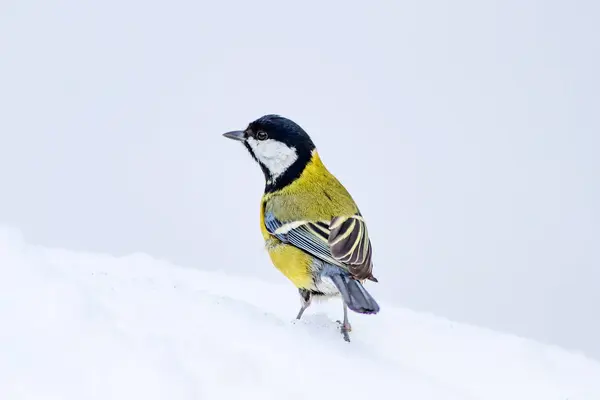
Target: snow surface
x=93, y=326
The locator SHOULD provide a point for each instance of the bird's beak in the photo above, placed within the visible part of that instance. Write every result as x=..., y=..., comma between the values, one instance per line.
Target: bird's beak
x=236, y=135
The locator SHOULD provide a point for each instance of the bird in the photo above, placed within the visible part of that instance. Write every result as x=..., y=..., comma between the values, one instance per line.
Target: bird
x=312, y=228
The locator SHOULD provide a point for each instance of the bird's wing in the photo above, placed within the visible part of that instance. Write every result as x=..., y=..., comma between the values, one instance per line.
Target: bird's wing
x=310, y=236
x=350, y=244
x=343, y=241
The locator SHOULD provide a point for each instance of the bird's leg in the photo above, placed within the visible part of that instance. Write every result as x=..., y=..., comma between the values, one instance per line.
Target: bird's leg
x=302, y=309
x=345, y=326
x=306, y=298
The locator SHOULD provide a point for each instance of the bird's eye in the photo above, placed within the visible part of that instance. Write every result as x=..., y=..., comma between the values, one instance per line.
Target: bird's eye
x=261, y=135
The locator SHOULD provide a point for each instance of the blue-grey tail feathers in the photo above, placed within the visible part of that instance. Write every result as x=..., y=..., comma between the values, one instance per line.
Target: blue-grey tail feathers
x=355, y=295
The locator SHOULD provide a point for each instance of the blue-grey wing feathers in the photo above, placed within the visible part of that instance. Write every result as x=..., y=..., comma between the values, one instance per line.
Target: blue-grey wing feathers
x=308, y=236
x=343, y=241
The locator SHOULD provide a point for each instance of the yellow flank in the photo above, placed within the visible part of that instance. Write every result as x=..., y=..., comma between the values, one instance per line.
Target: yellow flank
x=293, y=263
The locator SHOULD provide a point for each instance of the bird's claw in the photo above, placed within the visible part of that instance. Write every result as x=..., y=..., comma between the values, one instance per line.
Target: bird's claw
x=345, y=329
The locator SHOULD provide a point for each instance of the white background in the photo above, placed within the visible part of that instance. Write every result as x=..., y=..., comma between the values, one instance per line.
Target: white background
x=467, y=131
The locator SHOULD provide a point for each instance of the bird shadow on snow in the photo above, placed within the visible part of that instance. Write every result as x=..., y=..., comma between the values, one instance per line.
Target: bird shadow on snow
x=323, y=326
x=318, y=323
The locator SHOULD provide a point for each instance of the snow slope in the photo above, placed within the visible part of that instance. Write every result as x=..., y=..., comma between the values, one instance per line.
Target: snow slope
x=91, y=326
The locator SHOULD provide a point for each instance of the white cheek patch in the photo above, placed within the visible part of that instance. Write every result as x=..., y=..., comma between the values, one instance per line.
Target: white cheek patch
x=276, y=156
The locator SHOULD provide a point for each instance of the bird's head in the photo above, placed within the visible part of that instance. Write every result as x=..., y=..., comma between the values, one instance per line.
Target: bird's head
x=279, y=145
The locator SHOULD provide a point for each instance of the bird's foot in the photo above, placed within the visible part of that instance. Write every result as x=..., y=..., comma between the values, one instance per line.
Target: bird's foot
x=345, y=329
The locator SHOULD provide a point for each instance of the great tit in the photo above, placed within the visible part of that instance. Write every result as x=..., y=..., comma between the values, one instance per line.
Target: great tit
x=313, y=230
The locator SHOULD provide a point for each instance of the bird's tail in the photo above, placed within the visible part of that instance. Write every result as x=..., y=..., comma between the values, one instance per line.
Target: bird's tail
x=355, y=295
